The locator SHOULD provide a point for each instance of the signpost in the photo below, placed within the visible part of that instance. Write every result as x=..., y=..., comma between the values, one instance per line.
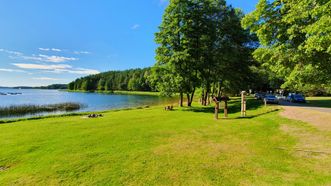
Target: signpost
x=217, y=106
x=243, y=104
x=217, y=99
x=225, y=99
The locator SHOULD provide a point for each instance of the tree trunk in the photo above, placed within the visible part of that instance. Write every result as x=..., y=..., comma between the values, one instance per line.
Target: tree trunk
x=181, y=99
x=206, y=98
x=192, y=95
x=188, y=100
x=203, y=97
x=217, y=107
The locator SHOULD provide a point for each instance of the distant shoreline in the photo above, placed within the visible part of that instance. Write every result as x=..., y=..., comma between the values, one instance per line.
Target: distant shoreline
x=120, y=92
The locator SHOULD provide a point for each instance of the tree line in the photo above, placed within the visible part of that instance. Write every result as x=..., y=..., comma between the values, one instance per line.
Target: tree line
x=133, y=80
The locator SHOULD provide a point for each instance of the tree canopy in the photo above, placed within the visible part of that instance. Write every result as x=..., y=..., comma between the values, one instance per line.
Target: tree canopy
x=295, y=37
x=201, y=42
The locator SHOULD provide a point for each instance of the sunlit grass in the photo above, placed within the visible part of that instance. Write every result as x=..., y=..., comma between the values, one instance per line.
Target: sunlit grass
x=152, y=146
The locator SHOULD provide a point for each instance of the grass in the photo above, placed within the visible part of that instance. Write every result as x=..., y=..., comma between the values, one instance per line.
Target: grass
x=151, y=146
x=319, y=102
x=142, y=93
x=20, y=110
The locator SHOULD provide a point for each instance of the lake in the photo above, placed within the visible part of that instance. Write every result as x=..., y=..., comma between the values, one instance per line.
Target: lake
x=92, y=101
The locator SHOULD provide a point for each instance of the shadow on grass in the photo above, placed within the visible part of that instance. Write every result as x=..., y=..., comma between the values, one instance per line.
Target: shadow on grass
x=319, y=103
x=325, y=103
x=234, y=106
x=257, y=115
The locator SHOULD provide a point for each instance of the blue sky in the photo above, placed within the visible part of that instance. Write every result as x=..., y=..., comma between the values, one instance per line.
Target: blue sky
x=44, y=42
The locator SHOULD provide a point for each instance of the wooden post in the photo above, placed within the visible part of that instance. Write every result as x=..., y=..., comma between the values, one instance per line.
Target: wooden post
x=217, y=107
x=243, y=104
x=225, y=108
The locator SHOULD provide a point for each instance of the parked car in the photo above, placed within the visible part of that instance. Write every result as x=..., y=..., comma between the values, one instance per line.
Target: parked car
x=296, y=98
x=258, y=96
x=280, y=97
x=269, y=98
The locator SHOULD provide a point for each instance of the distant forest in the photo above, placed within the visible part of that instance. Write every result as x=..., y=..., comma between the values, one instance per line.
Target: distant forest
x=53, y=86
x=133, y=80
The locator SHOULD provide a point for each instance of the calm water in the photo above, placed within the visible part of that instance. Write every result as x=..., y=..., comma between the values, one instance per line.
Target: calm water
x=92, y=101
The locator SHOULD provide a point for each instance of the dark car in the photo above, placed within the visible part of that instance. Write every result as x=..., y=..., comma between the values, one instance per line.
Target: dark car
x=269, y=98
x=258, y=96
x=296, y=98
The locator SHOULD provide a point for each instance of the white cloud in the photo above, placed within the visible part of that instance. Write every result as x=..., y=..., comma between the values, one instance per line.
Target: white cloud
x=11, y=52
x=47, y=58
x=83, y=71
x=46, y=79
x=56, y=50
x=43, y=57
x=50, y=49
x=41, y=67
x=10, y=70
x=57, y=68
x=82, y=52
x=45, y=67
x=44, y=49
x=135, y=27
x=56, y=59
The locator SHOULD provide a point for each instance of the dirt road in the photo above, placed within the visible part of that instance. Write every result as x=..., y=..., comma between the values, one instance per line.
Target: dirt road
x=317, y=116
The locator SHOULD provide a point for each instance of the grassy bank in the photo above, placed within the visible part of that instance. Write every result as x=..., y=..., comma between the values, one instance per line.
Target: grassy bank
x=141, y=93
x=20, y=110
x=151, y=146
x=121, y=92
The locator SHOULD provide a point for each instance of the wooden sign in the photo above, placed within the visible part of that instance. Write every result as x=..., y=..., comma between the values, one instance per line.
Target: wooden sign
x=243, y=104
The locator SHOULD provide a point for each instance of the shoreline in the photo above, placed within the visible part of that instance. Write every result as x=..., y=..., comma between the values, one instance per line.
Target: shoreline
x=42, y=115
x=119, y=92
x=17, y=119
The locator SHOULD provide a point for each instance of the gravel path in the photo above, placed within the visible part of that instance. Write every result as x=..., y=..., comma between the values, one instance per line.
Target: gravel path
x=317, y=116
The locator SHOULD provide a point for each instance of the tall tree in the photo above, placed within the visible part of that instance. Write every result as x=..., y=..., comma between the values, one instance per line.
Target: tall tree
x=296, y=41
x=200, y=43
x=172, y=55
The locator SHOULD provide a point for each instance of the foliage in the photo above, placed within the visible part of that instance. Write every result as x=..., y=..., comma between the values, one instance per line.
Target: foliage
x=201, y=42
x=134, y=80
x=296, y=41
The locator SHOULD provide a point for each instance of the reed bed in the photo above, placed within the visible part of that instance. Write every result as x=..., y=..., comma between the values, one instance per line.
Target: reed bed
x=20, y=110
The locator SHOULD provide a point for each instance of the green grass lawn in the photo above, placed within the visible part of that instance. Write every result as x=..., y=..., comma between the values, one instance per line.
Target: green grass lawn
x=155, y=147
x=319, y=101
